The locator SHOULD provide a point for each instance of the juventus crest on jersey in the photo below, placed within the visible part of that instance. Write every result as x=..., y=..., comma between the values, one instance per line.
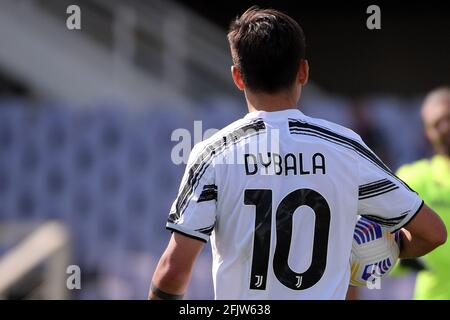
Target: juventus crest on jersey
x=279, y=193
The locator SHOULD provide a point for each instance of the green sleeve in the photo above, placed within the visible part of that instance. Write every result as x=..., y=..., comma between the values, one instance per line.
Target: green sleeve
x=413, y=174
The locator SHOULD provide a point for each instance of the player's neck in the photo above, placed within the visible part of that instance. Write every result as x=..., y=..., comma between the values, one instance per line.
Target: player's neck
x=271, y=102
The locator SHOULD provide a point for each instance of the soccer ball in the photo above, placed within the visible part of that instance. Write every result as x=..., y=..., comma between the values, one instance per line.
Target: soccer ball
x=374, y=252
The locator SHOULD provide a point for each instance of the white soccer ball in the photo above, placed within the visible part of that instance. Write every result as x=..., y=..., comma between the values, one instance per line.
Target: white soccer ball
x=374, y=252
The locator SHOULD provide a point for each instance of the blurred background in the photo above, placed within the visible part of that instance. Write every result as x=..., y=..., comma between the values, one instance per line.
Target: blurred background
x=86, y=118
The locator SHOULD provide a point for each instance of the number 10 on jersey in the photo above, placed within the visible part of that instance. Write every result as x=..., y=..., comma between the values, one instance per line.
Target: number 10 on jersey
x=262, y=200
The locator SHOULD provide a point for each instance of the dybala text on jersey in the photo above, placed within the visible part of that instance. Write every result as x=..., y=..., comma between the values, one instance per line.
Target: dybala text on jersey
x=290, y=164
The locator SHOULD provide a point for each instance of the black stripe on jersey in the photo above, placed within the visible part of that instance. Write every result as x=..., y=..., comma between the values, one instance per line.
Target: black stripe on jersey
x=410, y=219
x=204, y=159
x=371, y=184
x=296, y=126
x=387, y=222
x=300, y=127
x=380, y=184
x=376, y=188
x=209, y=193
x=380, y=192
x=206, y=230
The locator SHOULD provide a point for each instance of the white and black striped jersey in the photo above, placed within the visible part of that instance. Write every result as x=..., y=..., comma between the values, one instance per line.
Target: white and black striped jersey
x=279, y=193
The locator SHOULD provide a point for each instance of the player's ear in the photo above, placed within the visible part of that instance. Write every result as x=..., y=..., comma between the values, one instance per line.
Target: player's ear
x=303, y=72
x=237, y=77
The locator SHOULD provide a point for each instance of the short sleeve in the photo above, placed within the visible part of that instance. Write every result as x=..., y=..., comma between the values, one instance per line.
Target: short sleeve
x=193, y=212
x=382, y=196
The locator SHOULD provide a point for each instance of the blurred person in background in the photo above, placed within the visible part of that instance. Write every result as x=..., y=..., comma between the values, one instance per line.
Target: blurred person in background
x=366, y=125
x=249, y=209
x=431, y=179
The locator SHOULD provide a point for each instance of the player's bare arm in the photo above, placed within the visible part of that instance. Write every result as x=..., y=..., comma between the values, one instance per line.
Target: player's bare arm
x=422, y=234
x=174, y=269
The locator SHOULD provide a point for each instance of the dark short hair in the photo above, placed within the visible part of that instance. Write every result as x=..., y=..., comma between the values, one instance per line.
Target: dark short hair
x=267, y=47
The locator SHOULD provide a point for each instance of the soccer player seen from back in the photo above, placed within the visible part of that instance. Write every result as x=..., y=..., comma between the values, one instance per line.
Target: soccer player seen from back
x=278, y=192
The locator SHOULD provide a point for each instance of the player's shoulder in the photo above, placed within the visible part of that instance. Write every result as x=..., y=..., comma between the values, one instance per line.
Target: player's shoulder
x=328, y=127
x=227, y=135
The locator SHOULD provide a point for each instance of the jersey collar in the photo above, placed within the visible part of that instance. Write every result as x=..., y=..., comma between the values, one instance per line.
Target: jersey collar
x=283, y=114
